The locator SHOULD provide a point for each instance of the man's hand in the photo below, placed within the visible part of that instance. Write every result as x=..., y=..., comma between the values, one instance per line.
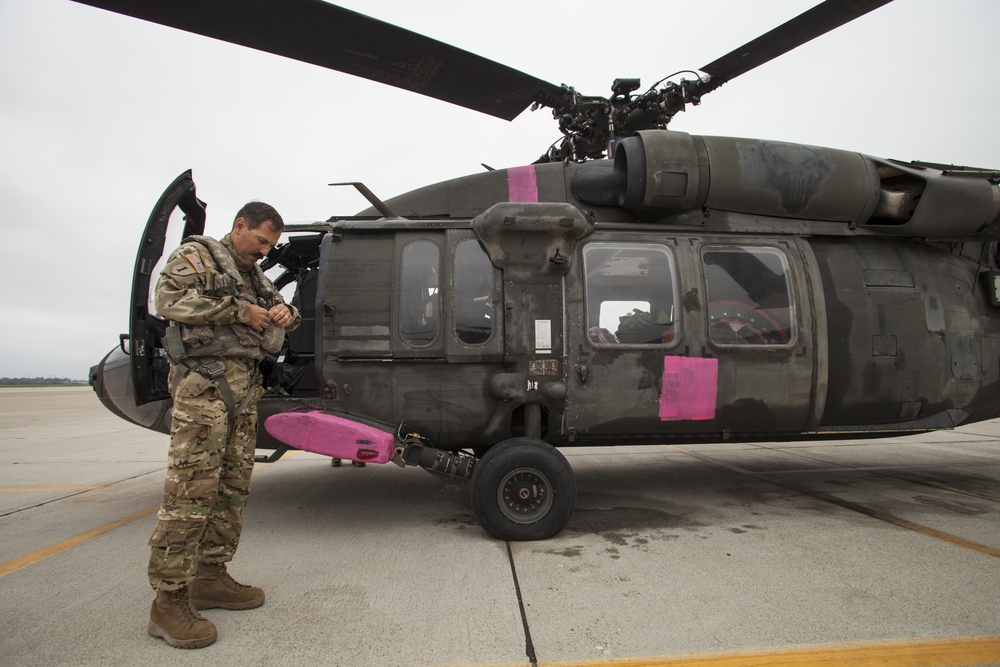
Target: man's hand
x=280, y=315
x=257, y=318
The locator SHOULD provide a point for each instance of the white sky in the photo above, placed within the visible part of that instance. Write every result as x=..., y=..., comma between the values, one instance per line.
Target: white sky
x=99, y=112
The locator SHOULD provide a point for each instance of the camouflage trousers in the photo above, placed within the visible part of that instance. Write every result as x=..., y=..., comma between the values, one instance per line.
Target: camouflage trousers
x=208, y=476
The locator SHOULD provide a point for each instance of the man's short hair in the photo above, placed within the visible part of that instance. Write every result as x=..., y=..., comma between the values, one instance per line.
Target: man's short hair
x=256, y=212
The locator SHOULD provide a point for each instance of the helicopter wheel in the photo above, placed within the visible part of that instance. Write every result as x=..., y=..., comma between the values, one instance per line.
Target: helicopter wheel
x=523, y=489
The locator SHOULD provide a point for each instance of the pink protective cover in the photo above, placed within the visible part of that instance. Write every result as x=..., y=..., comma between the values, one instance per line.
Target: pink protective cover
x=690, y=388
x=332, y=436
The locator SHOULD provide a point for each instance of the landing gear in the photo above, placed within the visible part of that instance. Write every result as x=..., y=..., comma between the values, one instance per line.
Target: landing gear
x=523, y=489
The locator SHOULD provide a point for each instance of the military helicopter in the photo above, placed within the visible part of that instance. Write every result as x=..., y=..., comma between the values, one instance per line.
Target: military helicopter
x=633, y=285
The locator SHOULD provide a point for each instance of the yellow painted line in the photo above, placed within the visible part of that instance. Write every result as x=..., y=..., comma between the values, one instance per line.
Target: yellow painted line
x=933, y=532
x=59, y=547
x=847, y=504
x=50, y=488
x=76, y=540
x=901, y=653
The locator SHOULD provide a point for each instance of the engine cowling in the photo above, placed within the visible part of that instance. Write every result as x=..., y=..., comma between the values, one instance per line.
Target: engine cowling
x=658, y=173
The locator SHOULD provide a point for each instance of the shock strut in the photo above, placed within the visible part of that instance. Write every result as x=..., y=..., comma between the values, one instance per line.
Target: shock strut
x=440, y=461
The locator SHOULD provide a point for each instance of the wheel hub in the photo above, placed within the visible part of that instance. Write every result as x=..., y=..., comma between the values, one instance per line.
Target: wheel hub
x=525, y=495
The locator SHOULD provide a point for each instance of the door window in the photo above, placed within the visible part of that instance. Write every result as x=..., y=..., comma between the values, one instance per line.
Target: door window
x=631, y=294
x=473, y=278
x=749, y=300
x=420, y=302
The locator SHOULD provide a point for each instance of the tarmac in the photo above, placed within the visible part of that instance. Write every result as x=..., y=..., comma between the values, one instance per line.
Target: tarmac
x=857, y=552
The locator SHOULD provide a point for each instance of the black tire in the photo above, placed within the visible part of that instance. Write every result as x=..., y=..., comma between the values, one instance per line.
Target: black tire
x=523, y=489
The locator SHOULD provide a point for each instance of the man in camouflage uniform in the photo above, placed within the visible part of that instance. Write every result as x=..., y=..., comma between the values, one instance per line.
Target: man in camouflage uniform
x=225, y=317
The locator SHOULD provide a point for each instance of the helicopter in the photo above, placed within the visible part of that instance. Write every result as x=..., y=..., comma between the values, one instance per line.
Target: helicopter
x=632, y=285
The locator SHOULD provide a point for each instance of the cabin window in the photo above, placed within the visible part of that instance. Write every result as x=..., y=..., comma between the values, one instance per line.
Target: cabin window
x=631, y=294
x=473, y=292
x=420, y=302
x=749, y=300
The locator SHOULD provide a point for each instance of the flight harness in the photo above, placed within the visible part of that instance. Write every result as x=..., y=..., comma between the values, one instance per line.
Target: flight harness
x=207, y=359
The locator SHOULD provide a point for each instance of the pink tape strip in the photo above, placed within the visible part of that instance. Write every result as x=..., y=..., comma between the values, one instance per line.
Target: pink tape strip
x=522, y=184
x=690, y=389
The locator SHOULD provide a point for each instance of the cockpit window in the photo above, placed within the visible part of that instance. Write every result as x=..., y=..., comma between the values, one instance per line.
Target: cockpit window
x=749, y=300
x=420, y=302
x=473, y=293
x=631, y=294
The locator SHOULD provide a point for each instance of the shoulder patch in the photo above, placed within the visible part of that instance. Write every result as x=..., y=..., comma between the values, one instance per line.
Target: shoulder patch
x=195, y=262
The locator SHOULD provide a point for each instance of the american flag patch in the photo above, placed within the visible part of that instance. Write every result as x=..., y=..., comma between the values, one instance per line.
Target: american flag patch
x=195, y=262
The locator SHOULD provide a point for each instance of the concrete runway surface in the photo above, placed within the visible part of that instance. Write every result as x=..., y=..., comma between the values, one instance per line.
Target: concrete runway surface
x=849, y=552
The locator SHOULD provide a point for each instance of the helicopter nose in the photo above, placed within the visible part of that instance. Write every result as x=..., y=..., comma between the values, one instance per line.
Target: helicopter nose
x=97, y=381
x=111, y=379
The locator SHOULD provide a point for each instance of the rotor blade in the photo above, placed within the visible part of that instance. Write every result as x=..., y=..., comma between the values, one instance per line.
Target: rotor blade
x=317, y=32
x=812, y=23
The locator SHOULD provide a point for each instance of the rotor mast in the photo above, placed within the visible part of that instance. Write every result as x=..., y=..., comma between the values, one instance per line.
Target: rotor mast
x=593, y=125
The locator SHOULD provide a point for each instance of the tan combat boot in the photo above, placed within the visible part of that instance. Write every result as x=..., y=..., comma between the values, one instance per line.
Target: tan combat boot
x=213, y=588
x=174, y=621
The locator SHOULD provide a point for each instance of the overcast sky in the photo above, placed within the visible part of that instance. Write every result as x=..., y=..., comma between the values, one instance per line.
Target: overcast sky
x=99, y=112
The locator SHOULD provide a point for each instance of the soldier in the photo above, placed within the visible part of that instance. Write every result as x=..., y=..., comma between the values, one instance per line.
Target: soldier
x=225, y=317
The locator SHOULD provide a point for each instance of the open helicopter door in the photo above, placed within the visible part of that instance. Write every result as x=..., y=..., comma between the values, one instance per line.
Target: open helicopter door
x=148, y=362
x=131, y=380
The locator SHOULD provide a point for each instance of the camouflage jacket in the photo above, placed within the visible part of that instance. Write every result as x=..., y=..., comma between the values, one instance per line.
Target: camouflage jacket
x=194, y=292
